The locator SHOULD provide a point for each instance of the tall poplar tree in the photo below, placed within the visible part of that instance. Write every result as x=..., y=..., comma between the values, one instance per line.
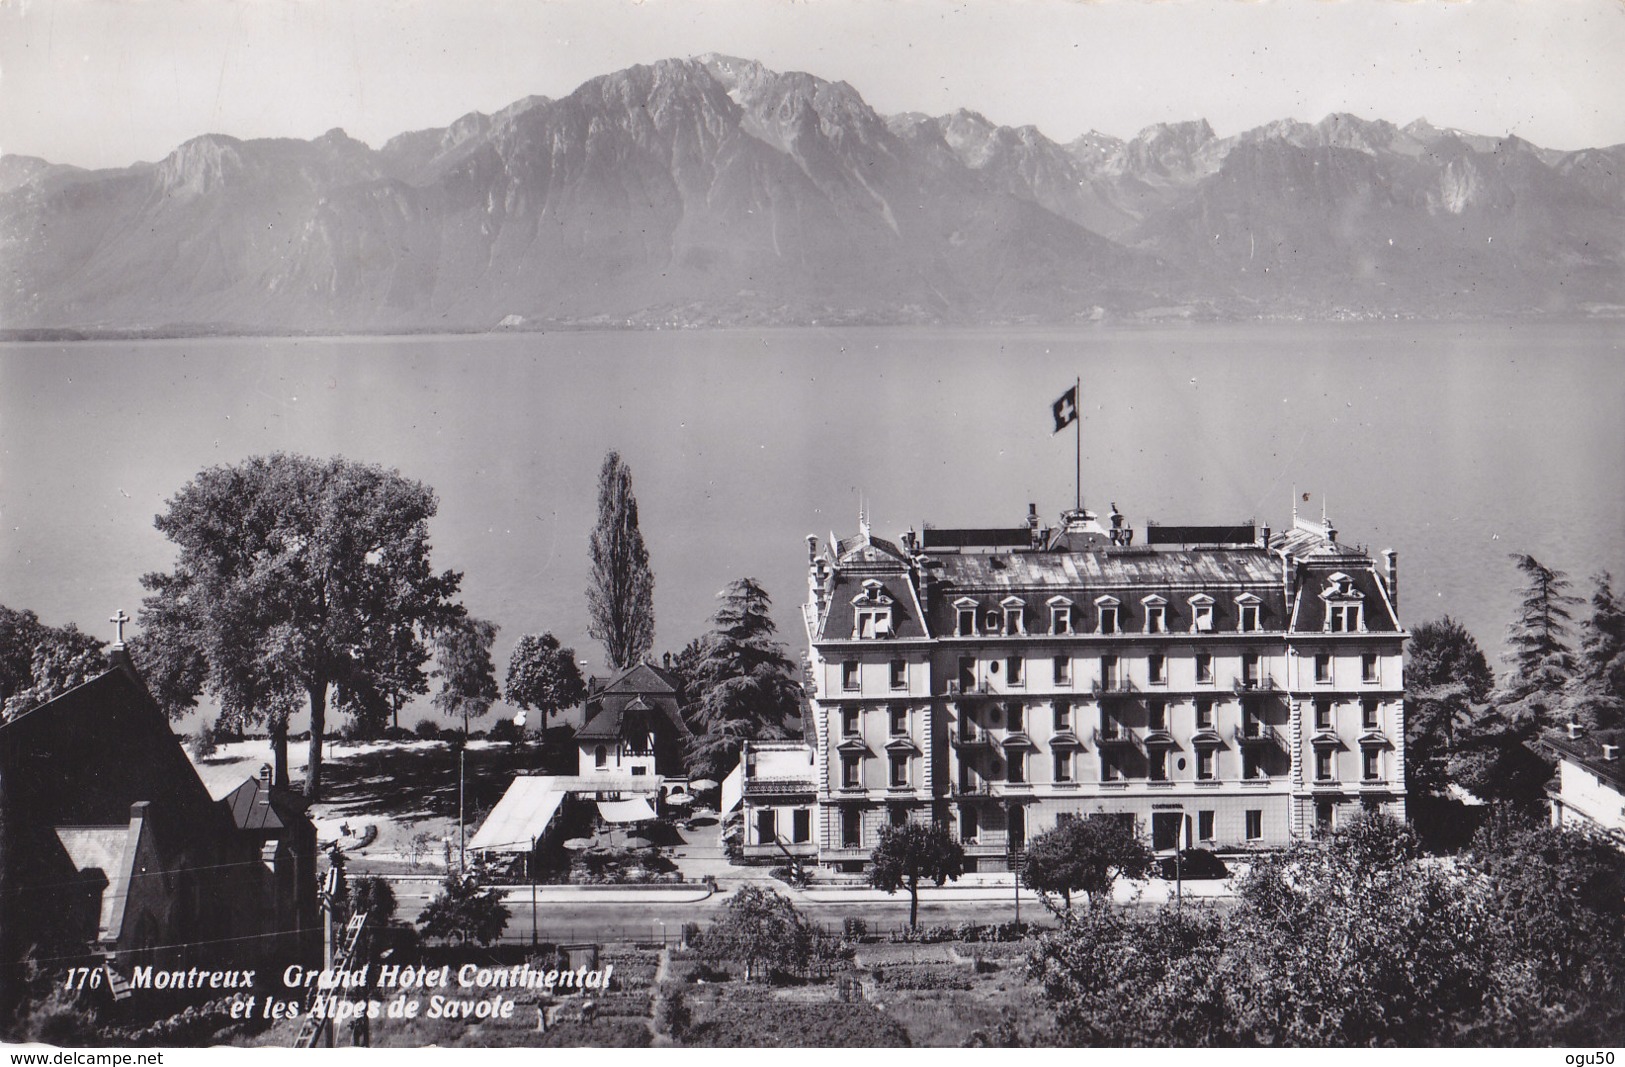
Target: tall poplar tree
x=620, y=596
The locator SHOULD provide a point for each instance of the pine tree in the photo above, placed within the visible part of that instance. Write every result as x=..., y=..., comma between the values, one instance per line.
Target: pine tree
x=620, y=596
x=744, y=683
x=1597, y=694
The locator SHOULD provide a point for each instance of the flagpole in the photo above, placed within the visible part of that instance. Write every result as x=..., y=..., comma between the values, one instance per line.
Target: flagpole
x=1077, y=394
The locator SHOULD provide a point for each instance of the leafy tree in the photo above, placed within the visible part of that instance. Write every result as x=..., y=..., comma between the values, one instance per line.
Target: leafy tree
x=744, y=685
x=1597, y=694
x=39, y=663
x=905, y=855
x=465, y=911
x=1445, y=676
x=759, y=928
x=296, y=576
x=620, y=595
x=468, y=678
x=398, y=676
x=1085, y=855
x=544, y=676
x=1119, y=977
x=1557, y=918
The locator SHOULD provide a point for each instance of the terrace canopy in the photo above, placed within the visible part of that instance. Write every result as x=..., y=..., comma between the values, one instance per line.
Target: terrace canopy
x=520, y=817
x=621, y=811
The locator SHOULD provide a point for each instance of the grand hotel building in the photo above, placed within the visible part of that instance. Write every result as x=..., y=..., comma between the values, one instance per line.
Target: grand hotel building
x=1223, y=686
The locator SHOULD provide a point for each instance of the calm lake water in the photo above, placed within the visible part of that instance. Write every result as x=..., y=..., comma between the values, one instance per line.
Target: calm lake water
x=1454, y=444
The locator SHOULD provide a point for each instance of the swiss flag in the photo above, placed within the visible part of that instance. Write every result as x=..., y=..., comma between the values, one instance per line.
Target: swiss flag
x=1066, y=409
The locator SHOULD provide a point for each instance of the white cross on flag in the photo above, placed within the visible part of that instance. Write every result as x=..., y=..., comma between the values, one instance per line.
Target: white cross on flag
x=1066, y=409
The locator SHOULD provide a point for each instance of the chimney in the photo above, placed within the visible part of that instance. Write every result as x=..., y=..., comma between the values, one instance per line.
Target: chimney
x=665, y=660
x=1264, y=536
x=1610, y=753
x=1390, y=563
x=265, y=773
x=1576, y=731
x=812, y=547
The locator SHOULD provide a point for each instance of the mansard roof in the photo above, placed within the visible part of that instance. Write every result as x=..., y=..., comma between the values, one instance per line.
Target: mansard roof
x=840, y=619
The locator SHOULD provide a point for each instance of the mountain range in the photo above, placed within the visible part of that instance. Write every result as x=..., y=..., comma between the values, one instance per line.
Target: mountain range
x=713, y=191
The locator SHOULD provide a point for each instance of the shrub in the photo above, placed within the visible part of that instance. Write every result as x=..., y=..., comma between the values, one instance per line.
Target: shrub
x=675, y=1015
x=206, y=742
x=855, y=928
x=428, y=730
x=760, y=1022
x=922, y=976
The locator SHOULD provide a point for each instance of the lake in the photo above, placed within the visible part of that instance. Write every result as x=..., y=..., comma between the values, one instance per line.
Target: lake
x=1455, y=444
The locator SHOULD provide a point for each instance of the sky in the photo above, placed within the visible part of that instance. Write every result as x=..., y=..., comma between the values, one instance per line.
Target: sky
x=109, y=82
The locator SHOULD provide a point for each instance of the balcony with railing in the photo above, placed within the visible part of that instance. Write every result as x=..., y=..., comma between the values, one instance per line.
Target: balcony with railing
x=1112, y=732
x=1253, y=732
x=1256, y=683
x=1118, y=684
x=969, y=736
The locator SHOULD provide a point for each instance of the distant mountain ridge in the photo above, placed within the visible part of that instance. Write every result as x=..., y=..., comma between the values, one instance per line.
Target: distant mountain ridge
x=715, y=191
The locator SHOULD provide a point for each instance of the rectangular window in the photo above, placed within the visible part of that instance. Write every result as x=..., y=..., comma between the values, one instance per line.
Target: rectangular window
x=1255, y=824
x=1372, y=765
x=1323, y=667
x=1204, y=826
x=1202, y=618
x=1368, y=715
x=849, y=674
x=1323, y=817
x=1204, y=668
x=1249, y=669
x=1323, y=714
x=1204, y=764
x=1109, y=771
x=1108, y=620
x=767, y=826
x=1063, y=764
x=967, y=623
x=849, y=773
x=1013, y=667
x=1108, y=672
x=967, y=826
x=1060, y=620
x=897, y=815
x=1156, y=619
x=899, y=769
x=1204, y=714
x=1368, y=667
x=801, y=826
x=849, y=722
x=1251, y=766
x=874, y=622
x=1015, y=621
x=640, y=770
x=1343, y=618
x=899, y=674
x=1248, y=622
x=851, y=827
x=1017, y=761
x=1157, y=668
x=1157, y=759
x=1323, y=765
x=1063, y=716
x=967, y=674
x=1063, y=670
x=1017, y=719
x=899, y=721
x=1156, y=715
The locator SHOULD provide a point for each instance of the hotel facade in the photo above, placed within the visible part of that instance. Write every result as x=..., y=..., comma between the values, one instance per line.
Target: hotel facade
x=1224, y=687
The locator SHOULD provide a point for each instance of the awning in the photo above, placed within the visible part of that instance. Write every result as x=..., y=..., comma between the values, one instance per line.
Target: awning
x=520, y=817
x=635, y=810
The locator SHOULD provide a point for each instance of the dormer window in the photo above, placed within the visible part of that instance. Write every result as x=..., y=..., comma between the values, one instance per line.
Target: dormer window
x=1247, y=612
x=1156, y=614
x=872, y=612
x=1201, y=614
x=1106, y=608
x=965, y=617
x=1015, y=616
x=1343, y=607
x=1060, y=615
x=1343, y=618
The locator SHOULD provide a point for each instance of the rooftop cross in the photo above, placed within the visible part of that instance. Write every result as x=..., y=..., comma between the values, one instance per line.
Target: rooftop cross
x=119, y=620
